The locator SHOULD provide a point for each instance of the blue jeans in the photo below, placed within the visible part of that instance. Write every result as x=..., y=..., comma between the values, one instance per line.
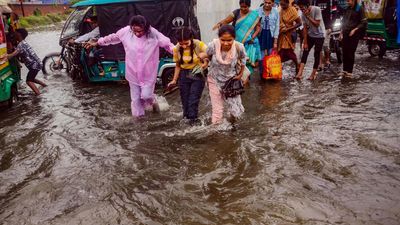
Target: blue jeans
x=191, y=89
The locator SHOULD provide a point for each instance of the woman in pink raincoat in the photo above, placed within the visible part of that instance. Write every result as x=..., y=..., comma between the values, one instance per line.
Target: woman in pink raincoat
x=141, y=44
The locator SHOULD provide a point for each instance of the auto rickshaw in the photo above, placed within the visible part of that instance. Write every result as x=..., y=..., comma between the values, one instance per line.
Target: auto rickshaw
x=382, y=30
x=9, y=70
x=164, y=15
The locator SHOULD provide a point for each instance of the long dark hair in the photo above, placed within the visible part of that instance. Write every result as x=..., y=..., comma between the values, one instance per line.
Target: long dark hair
x=140, y=21
x=184, y=34
x=227, y=29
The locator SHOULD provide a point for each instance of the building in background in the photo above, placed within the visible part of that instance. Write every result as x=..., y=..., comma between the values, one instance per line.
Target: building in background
x=44, y=6
x=41, y=1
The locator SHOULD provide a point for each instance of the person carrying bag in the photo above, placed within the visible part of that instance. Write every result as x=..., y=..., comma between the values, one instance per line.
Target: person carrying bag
x=227, y=64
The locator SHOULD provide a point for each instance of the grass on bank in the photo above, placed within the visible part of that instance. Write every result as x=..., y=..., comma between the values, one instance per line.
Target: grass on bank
x=39, y=20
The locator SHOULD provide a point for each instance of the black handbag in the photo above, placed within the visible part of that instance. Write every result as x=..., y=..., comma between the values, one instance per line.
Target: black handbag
x=232, y=88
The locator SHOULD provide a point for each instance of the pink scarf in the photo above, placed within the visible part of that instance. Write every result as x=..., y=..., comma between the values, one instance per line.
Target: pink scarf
x=231, y=54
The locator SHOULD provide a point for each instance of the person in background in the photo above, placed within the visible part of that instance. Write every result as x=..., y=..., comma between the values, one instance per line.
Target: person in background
x=94, y=57
x=13, y=21
x=328, y=17
x=354, y=25
x=314, y=33
x=142, y=47
x=188, y=56
x=225, y=55
x=268, y=38
x=247, y=28
x=289, y=21
x=29, y=57
x=94, y=34
x=299, y=30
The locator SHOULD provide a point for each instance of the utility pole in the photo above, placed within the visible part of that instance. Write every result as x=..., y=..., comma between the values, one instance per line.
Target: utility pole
x=22, y=7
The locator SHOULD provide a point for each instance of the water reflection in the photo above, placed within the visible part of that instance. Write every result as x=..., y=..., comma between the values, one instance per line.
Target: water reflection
x=272, y=93
x=323, y=152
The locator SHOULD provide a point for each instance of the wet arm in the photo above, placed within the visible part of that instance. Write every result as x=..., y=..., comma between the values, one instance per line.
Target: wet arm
x=293, y=27
x=12, y=54
x=257, y=31
x=164, y=42
x=210, y=51
x=364, y=22
x=305, y=34
x=111, y=39
x=276, y=31
x=176, y=72
x=242, y=58
x=115, y=38
x=227, y=20
x=314, y=21
x=239, y=76
x=297, y=25
x=86, y=37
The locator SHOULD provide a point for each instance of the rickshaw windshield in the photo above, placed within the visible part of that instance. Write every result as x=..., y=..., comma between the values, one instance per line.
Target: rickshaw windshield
x=73, y=24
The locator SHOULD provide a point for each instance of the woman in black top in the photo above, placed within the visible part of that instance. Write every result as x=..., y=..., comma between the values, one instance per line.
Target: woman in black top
x=353, y=28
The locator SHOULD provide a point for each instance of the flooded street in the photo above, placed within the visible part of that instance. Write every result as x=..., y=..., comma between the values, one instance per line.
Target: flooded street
x=323, y=152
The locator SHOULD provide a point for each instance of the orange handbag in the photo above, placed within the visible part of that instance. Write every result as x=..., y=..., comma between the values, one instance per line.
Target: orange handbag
x=272, y=67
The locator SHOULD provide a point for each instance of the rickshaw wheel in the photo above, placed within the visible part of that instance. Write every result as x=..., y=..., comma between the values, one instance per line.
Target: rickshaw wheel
x=167, y=76
x=14, y=96
x=375, y=49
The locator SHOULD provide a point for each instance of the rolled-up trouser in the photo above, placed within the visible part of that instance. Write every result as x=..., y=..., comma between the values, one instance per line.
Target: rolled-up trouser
x=191, y=89
x=318, y=42
x=141, y=97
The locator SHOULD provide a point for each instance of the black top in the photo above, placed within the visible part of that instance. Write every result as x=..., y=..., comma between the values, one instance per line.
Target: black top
x=354, y=17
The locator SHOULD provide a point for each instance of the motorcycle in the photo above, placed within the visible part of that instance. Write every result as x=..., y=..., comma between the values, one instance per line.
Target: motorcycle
x=64, y=62
x=334, y=42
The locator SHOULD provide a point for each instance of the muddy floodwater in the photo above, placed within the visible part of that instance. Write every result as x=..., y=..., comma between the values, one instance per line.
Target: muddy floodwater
x=324, y=152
